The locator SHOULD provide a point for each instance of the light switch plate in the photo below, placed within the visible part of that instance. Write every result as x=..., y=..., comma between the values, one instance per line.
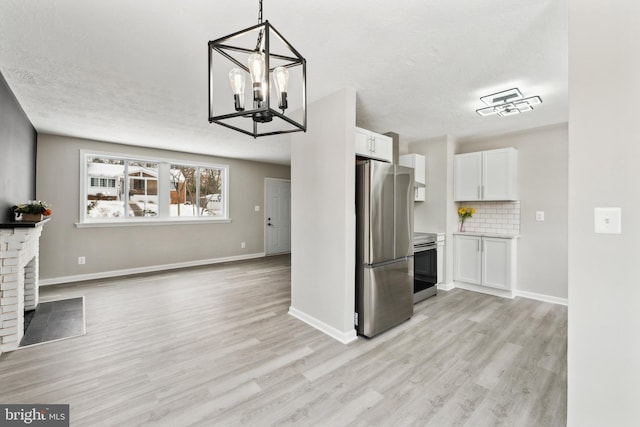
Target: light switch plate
x=607, y=220
x=539, y=215
x=257, y=208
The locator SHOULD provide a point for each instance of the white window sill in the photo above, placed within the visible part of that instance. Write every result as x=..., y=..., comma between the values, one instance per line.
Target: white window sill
x=149, y=222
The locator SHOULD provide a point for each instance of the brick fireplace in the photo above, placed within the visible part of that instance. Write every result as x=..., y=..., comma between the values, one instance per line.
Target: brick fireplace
x=19, y=255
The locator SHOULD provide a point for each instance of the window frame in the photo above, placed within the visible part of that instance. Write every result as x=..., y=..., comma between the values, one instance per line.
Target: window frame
x=164, y=200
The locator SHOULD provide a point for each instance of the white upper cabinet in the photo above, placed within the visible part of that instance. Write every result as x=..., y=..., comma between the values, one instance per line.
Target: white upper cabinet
x=373, y=145
x=500, y=174
x=418, y=163
x=467, y=179
x=486, y=175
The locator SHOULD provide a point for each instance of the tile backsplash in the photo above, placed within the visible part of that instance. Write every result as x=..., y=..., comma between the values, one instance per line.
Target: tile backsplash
x=493, y=217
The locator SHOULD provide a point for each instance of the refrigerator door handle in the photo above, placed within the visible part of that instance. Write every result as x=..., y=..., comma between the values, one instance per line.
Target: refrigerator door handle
x=382, y=264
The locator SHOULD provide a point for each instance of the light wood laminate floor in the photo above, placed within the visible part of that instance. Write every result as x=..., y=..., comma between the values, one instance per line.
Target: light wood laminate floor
x=214, y=346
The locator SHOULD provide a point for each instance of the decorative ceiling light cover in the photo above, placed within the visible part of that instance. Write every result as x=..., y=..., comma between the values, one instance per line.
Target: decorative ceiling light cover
x=262, y=58
x=507, y=103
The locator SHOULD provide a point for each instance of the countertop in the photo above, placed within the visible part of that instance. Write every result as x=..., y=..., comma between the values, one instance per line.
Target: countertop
x=496, y=235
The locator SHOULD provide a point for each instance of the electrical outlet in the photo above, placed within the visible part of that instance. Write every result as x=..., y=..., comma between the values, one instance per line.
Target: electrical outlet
x=82, y=260
x=540, y=216
x=243, y=245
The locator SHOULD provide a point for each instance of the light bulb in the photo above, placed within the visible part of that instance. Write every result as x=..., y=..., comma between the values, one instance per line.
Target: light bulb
x=237, y=81
x=281, y=80
x=256, y=68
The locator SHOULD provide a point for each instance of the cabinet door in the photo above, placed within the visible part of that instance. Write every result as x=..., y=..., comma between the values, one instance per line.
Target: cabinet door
x=420, y=169
x=382, y=147
x=467, y=259
x=499, y=176
x=418, y=163
x=496, y=263
x=467, y=169
x=362, y=142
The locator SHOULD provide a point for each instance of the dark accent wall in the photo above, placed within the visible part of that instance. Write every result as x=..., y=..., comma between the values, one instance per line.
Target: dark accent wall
x=17, y=153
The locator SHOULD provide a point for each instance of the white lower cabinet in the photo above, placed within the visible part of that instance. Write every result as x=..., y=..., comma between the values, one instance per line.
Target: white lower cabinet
x=485, y=264
x=467, y=259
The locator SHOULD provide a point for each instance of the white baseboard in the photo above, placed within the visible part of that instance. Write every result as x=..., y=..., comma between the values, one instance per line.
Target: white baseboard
x=484, y=289
x=345, y=337
x=149, y=269
x=542, y=297
x=446, y=286
x=507, y=294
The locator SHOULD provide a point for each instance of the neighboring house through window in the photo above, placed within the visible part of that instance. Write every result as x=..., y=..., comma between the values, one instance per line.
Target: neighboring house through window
x=121, y=189
x=103, y=182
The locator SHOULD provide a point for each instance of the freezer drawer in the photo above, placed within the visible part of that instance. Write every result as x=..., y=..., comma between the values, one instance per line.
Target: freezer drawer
x=384, y=296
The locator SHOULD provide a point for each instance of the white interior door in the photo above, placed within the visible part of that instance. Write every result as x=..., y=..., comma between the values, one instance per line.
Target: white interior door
x=278, y=216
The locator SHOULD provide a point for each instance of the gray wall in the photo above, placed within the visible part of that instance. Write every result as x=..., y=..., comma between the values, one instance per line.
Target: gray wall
x=435, y=214
x=604, y=159
x=323, y=217
x=430, y=215
x=542, y=186
x=17, y=153
x=121, y=248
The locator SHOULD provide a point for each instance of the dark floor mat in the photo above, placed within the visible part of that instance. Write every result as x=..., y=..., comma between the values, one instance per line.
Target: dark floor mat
x=28, y=316
x=55, y=320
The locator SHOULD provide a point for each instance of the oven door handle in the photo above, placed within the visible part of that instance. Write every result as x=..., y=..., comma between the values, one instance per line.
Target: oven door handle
x=424, y=248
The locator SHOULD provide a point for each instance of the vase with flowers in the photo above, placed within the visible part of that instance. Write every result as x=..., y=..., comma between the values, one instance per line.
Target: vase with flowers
x=463, y=214
x=31, y=211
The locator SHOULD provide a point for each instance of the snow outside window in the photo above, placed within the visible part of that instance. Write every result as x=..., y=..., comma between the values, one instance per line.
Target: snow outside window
x=119, y=189
x=196, y=191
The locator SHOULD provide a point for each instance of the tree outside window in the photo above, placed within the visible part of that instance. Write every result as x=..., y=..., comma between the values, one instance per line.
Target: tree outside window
x=119, y=188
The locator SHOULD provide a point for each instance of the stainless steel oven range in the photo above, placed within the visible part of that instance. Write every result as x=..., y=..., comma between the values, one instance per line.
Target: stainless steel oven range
x=425, y=266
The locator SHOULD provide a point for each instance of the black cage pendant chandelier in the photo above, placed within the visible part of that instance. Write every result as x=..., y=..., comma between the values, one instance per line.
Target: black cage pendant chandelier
x=260, y=57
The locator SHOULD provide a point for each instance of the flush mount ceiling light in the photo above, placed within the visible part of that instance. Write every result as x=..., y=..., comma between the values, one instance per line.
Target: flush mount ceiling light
x=261, y=55
x=507, y=103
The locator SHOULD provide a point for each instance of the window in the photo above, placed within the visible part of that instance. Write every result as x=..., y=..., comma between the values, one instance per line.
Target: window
x=196, y=191
x=103, y=182
x=119, y=189
x=143, y=188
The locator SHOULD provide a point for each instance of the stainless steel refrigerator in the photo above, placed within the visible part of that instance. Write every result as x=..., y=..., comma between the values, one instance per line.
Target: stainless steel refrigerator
x=384, y=246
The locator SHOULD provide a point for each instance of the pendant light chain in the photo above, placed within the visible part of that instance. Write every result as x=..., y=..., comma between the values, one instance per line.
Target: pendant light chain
x=259, y=22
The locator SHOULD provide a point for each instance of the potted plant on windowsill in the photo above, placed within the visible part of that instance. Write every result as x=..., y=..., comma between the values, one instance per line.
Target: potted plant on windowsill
x=32, y=211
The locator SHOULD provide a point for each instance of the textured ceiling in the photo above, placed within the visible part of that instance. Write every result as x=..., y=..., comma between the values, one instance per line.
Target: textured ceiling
x=135, y=72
